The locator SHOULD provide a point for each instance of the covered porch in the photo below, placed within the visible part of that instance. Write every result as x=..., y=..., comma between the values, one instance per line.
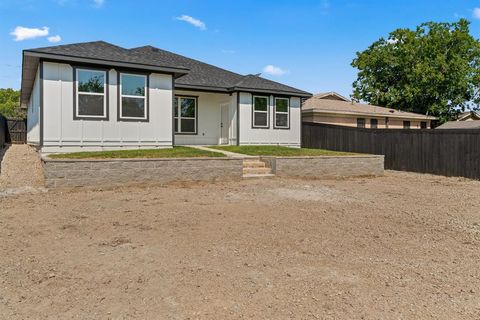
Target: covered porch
x=204, y=118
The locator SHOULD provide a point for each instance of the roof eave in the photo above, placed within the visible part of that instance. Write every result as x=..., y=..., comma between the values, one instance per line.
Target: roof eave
x=419, y=117
x=177, y=71
x=301, y=94
x=181, y=86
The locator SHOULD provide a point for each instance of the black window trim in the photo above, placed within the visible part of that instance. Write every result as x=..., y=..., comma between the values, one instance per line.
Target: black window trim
x=364, y=122
x=405, y=122
x=177, y=118
x=253, y=111
x=119, y=96
x=75, y=92
x=376, y=123
x=275, y=112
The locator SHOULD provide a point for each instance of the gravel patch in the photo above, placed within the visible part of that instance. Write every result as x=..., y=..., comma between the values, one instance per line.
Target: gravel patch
x=21, y=169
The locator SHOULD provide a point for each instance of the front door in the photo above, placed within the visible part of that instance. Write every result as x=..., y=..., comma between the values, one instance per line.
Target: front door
x=224, y=123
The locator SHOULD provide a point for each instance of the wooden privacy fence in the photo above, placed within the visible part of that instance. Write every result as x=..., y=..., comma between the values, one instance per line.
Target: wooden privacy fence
x=3, y=131
x=17, y=131
x=449, y=152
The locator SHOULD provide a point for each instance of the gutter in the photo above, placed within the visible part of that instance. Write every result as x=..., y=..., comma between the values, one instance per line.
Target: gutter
x=181, y=86
x=391, y=115
x=178, y=71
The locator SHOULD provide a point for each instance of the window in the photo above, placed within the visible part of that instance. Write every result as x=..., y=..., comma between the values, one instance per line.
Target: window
x=406, y=124
x=185, y=114
x=423, y=125
x=360, y=122
x=260, y=112
x=133, y=97
x=90, y=98
x=282, y=109
x=373, y=123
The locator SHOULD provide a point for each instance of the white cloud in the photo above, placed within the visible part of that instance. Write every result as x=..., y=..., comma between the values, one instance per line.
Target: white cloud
x=274, y=71
x=23, y=33
x=98, y=3
x=54, y=39
x=476, y=13
x=194, y=22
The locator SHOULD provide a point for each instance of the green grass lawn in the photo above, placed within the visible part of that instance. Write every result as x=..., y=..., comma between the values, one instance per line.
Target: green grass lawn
x=176, y=152
x=280, y=151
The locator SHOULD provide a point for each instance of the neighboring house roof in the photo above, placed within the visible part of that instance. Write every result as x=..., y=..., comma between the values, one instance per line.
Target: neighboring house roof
x=468, y=115
x=323, y=104
x=332, y=95
x=474, y=124
x=188, y=73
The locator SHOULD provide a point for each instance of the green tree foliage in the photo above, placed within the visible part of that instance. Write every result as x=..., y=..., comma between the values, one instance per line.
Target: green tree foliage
x=94, y=84
x=10, y=104
x=434, y=69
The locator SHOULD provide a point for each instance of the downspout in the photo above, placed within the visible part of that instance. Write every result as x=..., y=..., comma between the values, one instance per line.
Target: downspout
x=173, y=111
x=41, y=105
x=301, y=121
x=238, y=118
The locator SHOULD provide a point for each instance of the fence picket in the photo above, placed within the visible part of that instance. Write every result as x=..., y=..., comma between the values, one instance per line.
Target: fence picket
x=449, y=152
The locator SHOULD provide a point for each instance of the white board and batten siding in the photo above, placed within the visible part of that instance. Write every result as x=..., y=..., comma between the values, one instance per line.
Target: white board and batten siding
x=62, y=133
x=271, y=135
x=33, y=113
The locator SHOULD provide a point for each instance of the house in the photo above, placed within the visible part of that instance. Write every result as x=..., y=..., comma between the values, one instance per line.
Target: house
x=99, y=96
x=465, y=120
x=333, y=108
x=460, y=124
x=469, y=116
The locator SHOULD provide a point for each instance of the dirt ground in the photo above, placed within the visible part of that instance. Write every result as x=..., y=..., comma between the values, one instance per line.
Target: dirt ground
x=403, y=246
x=20, y=169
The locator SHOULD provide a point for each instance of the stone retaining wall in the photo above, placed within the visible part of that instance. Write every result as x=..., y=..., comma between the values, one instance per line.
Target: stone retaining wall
x=328, y=166
x=111, y=172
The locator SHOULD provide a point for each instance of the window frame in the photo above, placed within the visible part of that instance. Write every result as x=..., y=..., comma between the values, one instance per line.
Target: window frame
x=405, y=126
x=146, y=97
x=275, y=113
x=179, y=117
x=423, y=125
x=374, y=126
x=76, y=93
x=260, y=111
x=364, y=122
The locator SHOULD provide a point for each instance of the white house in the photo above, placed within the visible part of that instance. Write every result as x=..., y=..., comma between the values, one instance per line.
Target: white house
x=98, y=96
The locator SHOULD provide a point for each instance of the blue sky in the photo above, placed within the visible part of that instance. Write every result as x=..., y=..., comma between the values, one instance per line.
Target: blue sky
x=306, y=44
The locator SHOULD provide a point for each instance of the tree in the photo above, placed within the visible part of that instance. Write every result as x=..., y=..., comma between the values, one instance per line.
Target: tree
x=434, y=70
x=10, y=104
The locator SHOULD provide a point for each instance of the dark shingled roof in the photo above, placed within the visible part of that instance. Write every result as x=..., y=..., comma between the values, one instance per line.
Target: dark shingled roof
x=205, y=75
x=200, y=73
x=101, y=50
x=257, y=83
x=189, y=73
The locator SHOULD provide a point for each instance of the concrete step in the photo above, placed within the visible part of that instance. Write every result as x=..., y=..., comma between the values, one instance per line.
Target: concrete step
x=258, y=176
x=253, y=164
x=258, y=170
